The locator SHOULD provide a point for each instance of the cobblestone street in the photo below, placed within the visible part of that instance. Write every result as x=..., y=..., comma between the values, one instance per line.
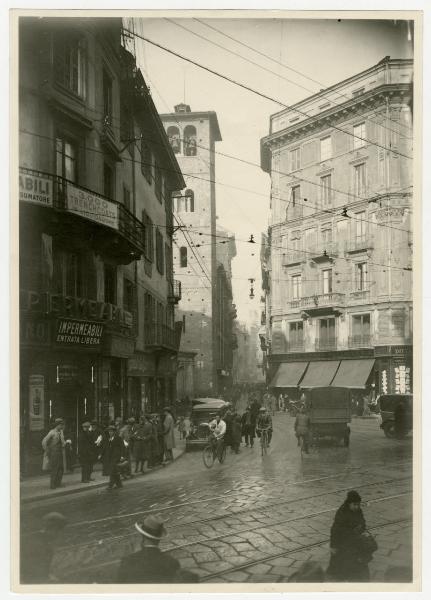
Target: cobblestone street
x=251, y=519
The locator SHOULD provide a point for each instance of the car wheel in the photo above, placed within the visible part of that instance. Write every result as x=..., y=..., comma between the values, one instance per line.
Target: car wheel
x=389, y=430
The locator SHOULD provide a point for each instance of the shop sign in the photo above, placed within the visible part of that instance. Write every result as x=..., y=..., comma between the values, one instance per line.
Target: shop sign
x=141, y=365
x=34, y=331
x=74, y=307
x=72, y=332
x=402, y=379
x=36, y=399
x=384, y=382
x=35, y=189
x=91, y=206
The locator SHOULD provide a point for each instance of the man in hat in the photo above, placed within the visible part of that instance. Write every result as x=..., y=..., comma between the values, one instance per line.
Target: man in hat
x=113, y=454
x=149, y=564
x=37, y=550
x=169, y=436
x=54, y=446
x=127, y=434
x=86, y=449
x=347, y=562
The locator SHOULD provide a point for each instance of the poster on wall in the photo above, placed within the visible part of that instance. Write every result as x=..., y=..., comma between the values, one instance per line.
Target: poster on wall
x=36, y=397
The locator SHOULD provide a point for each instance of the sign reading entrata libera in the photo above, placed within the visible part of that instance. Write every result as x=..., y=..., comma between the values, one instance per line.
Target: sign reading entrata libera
x=78, y=333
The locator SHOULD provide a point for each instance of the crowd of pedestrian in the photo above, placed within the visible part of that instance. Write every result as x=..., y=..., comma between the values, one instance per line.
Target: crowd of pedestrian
x=123, y=448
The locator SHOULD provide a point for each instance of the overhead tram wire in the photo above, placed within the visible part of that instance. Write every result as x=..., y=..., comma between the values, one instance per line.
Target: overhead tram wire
x=276, y=74
x=288, y=67
x=329, y=211
x=260, y=94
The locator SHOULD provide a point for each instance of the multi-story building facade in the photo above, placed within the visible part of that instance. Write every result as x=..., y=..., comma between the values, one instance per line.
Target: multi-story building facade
x=339, y=281
x=193, y=136
x=97, y=335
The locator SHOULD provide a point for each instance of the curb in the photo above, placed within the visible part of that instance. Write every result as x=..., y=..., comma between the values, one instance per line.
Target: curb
x=84, y=488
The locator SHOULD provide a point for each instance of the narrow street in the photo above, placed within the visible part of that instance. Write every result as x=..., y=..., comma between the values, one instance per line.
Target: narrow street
x=252, y=519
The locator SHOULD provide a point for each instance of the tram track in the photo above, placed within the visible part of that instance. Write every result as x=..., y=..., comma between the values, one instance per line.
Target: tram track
x=235, y=513
x=255, y=528
x=252, y=563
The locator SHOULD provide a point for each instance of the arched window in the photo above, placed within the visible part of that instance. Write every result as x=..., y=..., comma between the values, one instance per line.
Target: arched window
x=183, y=256
x=189, y=198
x=190, y=140
x=174, y=138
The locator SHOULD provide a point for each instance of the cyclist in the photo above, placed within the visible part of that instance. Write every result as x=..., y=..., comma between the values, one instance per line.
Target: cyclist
x=264, y=421
x=218, y=430
x=302, y=428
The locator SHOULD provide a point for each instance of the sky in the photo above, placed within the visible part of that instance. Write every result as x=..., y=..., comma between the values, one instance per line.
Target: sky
x=325, y=50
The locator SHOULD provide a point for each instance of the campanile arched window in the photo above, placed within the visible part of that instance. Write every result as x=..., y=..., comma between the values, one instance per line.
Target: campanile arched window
x=174, y=138
x=183, y=256
x=190, y=140
x=189, y=197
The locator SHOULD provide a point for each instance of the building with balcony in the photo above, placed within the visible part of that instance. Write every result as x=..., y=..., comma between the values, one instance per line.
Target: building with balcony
x=193, y=135
x=96, y=171
x=338, y=281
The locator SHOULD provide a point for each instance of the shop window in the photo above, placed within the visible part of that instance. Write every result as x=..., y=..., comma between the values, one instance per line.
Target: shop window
x=110, y=284
x=190, y=140
x=183, y=256
x=70, y=62
x=160, y=261
x=66, y=158
x=174, y=138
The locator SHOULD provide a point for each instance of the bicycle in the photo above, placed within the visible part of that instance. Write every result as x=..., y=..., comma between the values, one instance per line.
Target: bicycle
x=263, y=440
x=209, y=454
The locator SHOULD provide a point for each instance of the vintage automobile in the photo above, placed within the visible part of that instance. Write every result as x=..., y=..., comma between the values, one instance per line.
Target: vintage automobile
x=329, y=409
x=393, y=406
x=203, y=411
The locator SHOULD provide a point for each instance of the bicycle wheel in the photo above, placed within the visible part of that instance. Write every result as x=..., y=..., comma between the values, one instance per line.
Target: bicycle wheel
x=208, y=457
x=222, y=456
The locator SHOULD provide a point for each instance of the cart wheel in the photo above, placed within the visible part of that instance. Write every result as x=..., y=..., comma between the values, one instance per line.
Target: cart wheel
x=389, y=430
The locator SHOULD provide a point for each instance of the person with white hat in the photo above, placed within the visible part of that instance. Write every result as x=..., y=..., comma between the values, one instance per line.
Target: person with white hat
x=149, y=564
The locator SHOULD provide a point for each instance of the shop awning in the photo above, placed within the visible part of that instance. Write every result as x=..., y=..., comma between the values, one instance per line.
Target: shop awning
x=288, y=374
x=353, y=373
x=320, y=373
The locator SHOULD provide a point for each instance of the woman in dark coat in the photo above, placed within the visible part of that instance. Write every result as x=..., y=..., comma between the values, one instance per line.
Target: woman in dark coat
x=348, y=561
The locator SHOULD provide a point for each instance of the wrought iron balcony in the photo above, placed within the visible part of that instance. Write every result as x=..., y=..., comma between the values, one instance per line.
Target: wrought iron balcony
x=295, y=346
x=326, y=344
x=360, y=244
x=360, y=341
x=332, y=299
x=159, y=336
x=78, y=211
x=175, y=295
